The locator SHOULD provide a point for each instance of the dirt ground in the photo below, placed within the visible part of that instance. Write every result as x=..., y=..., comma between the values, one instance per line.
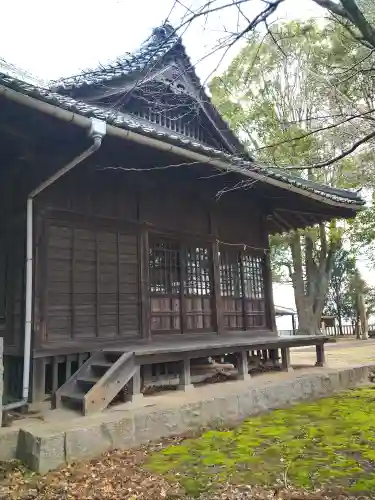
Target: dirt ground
x=343, y=353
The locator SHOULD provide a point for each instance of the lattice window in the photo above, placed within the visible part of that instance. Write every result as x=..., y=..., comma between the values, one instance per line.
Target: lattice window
x=165, y=285
x=180, y=287
x=197, y=288
x=230, y=275
x=198, y=275
x=242, y=290
x=165, y=268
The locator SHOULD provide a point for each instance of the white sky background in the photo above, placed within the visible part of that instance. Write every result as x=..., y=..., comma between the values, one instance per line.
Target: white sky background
x=52, y=39
x=56, y=39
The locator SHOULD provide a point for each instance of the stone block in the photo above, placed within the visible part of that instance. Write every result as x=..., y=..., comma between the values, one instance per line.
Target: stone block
x=153, y=425
x=218, y=411
x=87, y=442
x=121, y=433
x=191, y=415
x=41, y=450
x=246, y=405
x=8, y=443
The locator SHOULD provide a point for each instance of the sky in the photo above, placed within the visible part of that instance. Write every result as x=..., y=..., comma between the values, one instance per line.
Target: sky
x=55, y=39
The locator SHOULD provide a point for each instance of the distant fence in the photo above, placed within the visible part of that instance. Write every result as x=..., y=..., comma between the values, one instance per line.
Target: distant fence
x=347, y=330
x=334, y=331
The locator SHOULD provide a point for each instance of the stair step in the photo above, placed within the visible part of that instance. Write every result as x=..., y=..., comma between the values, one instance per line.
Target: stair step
x=73, y=401
x=102, y=364
x=88, y=380
x=112, y=356
x=74, y=396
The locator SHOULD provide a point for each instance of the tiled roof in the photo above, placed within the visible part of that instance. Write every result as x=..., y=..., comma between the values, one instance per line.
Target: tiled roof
x=162, y=40
x=128, y=122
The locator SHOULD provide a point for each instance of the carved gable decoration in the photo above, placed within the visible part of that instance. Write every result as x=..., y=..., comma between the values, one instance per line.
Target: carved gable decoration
x=157, y=84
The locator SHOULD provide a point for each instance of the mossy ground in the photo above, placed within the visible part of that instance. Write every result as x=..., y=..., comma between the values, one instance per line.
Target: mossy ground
x=329, y=443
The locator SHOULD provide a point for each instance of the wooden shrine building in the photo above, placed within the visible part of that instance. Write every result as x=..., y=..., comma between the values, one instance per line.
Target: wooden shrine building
x=151, y=248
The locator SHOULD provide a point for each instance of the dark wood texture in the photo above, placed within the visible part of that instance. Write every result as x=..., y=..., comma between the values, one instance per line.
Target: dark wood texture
x=92, y=282
x=92, y=276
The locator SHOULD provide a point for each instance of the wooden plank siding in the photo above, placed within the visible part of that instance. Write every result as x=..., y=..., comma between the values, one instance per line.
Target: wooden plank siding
x=92, y=254
x=92, y=283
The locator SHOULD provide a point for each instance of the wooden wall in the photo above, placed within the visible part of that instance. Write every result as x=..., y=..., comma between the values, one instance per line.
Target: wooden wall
x=89, y=227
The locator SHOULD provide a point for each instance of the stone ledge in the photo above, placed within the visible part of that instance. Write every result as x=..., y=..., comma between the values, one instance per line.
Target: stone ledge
x=43, y=447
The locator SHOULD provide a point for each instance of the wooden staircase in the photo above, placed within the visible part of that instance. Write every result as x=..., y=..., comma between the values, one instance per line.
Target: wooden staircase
x=97, y=382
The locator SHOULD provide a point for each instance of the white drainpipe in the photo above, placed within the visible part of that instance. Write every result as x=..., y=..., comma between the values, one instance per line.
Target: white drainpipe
x=97, y=132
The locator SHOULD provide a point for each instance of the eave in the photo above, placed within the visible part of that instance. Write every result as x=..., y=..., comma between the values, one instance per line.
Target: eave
x=123, y=126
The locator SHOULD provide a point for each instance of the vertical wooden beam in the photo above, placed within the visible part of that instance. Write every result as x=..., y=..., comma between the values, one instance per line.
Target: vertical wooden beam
x=320, y=355
x=39, y=380
x=144, y=283
x=274, y=356
x=185, y=378
x=136, y=394
x=285, y=359
x=243, y=297
x=41, y=285
x=217, y=300
x=97, y=288
x=118, y=279
x=218, y=315
x=68, y=366
x=72, y=285
x=182, y=289
x=267, y=274
x=55, y=374
x=243, y=365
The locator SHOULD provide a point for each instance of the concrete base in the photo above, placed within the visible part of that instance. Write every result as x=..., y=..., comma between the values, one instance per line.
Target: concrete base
x=67, y=437
x=186, y=388
x=288, y=369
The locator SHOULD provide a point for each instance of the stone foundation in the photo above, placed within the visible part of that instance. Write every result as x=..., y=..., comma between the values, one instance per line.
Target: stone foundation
x=44, y=446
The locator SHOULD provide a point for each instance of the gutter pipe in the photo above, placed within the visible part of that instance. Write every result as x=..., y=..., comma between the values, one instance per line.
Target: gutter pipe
x=97, y=131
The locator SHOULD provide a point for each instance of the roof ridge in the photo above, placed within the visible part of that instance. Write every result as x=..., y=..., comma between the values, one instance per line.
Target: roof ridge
x=157, y=45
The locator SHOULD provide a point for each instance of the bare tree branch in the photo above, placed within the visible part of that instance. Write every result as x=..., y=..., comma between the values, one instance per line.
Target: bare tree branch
x=345, y=153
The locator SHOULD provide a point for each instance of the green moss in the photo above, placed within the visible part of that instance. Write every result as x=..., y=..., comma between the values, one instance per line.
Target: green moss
x=330, y=442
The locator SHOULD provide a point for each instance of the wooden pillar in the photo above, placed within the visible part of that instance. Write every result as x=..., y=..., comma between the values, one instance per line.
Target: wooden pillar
x=39, y=380
x=320, y=355
x=144, y=284
x=274, y=356
x=55, y=374
x=218, y=303
x=285, y=359
x=185, y=379
x=268, y=291
x=147, y=373
x=243, y=365
x=136, y=394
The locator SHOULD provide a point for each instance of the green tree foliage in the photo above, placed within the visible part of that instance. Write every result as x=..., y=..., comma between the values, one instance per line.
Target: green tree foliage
x=284, y=95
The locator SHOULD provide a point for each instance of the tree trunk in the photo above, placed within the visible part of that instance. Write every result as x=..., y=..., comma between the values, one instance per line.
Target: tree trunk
x=362, y=315
x=310, y=294
x=339, y=320
x=357, y=328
